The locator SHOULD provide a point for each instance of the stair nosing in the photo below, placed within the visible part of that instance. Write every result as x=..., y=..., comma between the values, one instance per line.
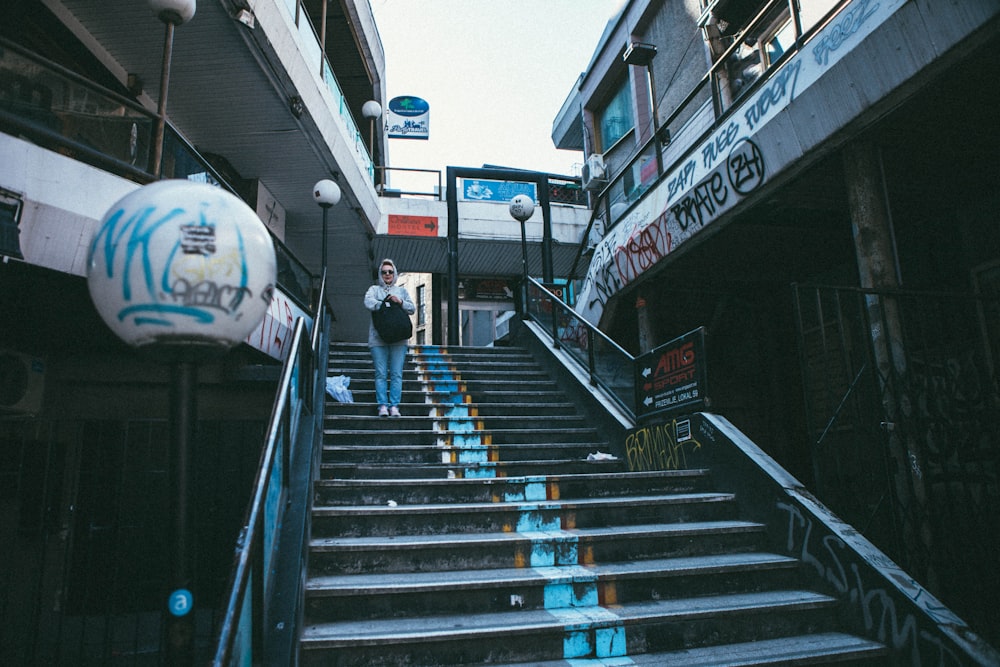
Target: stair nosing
x=415, y=582
x=495, y=624
x=433, y=541
x=519, y=479
x=672, y=499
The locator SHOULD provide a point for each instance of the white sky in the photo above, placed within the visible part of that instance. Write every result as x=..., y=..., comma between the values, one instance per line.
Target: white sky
x=495, y=74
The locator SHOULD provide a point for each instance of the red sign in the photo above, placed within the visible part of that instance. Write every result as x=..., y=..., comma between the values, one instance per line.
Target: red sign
x=413, y=225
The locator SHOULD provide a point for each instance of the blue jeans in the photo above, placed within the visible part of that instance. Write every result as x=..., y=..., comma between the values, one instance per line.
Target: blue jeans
x=388, y=361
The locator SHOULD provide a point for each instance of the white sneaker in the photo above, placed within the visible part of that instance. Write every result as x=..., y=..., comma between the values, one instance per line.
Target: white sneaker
x=383, y=411
x=394, y=412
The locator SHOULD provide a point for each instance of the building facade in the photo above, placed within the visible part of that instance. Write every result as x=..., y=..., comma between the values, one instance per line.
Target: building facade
x=263, y=99
x=813, y=184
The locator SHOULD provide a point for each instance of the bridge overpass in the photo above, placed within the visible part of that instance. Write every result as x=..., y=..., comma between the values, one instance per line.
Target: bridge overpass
x=463, y=231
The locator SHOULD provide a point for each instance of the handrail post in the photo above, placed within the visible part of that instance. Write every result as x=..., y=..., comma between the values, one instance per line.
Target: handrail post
x=555, y=322
x=591, y=357
x=256, y=593
x=286, y=453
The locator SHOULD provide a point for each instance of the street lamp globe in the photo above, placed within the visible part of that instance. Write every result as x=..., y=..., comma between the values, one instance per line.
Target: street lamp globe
x=371, y=109
x=326, y=193
x=183, y=265
x=174, y=12
x=521, y=207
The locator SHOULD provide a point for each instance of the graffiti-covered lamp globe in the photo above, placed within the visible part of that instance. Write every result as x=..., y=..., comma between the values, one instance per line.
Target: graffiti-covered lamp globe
x=181, y=264
x=521, y=207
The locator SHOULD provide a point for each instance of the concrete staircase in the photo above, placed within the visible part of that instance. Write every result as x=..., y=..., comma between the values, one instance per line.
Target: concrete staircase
x=474, y=530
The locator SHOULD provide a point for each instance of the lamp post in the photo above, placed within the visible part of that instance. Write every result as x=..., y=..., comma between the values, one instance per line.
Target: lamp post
x=185, y=271
x=371, y=110
x=172, y=13
x=327, y=194
x=521, y=207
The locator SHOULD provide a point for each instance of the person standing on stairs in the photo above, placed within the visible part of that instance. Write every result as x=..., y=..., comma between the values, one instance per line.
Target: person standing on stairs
x=387, y=359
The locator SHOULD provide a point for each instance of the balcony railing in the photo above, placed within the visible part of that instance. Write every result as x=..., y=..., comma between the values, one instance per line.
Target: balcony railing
x=312, y=49
x=700, y=113
x=64, y=112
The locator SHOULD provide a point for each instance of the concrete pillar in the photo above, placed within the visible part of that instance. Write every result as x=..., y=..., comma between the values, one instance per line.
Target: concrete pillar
x=874, y=244
x=642, y=321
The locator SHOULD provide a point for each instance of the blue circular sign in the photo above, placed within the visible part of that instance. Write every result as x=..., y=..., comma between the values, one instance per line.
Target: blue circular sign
x=181, y=602
x=408, y=105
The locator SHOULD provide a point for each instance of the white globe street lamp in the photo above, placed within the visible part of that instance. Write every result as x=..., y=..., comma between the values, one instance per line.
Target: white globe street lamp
x=327, y=194
x=181, y=264
x=186, y=269
x=371, y=110
x=521, y=208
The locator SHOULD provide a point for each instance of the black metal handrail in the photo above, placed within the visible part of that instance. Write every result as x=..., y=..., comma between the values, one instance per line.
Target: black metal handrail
x=608, y=365
x=105, y=141
x=119, y=139
x=902, y=407
x=382, y=177
x=603, y=205
x=299, y=392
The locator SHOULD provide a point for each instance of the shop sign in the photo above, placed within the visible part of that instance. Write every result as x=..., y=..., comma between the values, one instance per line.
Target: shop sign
x=409, y=117
x=672, y=377
x=481, y=189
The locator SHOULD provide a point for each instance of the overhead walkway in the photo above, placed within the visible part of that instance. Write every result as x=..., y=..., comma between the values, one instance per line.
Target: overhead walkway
x=414, y=230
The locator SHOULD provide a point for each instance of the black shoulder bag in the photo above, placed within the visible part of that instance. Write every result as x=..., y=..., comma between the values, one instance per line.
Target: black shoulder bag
x=391, y=322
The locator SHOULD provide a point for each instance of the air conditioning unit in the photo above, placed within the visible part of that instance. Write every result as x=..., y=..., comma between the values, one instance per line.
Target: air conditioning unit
x=22, y=382
x=595, y=173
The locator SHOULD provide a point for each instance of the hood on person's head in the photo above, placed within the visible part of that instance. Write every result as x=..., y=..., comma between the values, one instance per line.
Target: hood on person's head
x=385, y=278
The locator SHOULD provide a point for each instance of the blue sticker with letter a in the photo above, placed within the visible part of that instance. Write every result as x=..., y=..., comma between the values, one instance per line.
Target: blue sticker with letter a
x=180, y=602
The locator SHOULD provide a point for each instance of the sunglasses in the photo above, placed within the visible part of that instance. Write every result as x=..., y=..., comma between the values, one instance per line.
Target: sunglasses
x=387, y=273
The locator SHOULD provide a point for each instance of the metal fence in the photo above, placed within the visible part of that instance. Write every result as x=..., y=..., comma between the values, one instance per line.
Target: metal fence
x=903, y=410
x=83, y=534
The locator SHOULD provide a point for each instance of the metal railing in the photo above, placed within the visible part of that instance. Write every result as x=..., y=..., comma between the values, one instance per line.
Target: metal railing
x=418, y=182
x=903, y=413
x=427, y=183
x=700, y=113
x=62, y=111
x=609, y=366
x=244, y=628
x=312, y=48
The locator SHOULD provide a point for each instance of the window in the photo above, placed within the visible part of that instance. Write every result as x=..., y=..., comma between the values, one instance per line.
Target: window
x=759, y=51
x=615, y=118
x=776, y=42
x=10, y=217
x=421, y=305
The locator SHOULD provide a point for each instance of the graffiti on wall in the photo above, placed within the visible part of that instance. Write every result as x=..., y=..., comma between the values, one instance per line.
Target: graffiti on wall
x=726, y=168
x=274, y=332
x=838, y=565
x=662, y=446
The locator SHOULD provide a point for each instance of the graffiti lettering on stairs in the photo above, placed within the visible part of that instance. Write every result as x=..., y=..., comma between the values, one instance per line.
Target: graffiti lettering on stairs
x=659, y=446
x=837, y=565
